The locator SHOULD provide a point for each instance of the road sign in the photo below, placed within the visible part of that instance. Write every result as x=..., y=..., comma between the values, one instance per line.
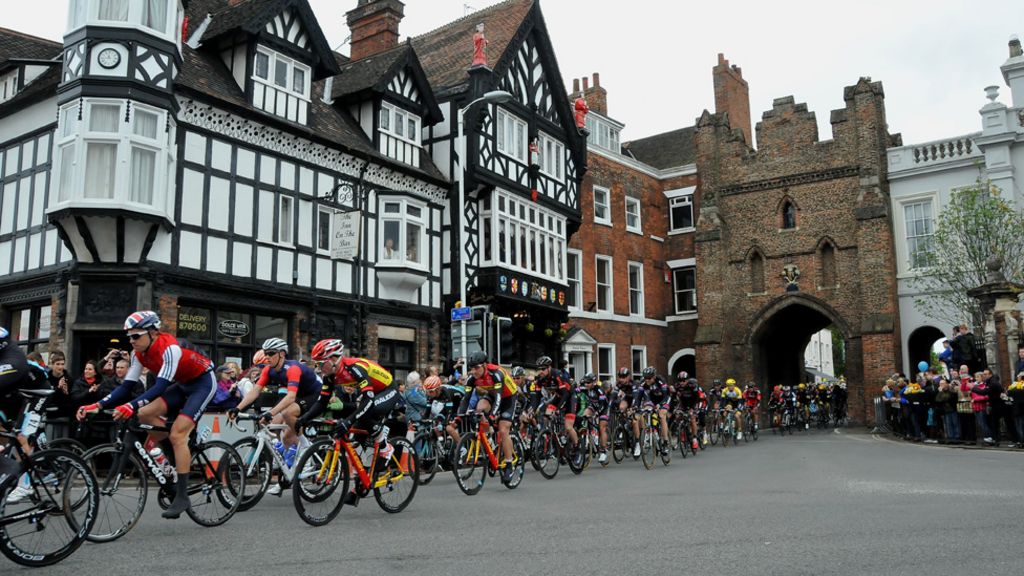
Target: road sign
x=463, y=313
x=474, y=329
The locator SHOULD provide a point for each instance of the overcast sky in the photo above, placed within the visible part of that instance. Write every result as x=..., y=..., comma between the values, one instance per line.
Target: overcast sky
x=934, y=58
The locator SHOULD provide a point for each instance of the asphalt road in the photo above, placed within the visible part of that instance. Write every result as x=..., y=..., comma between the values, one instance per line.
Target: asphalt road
x=814, y=503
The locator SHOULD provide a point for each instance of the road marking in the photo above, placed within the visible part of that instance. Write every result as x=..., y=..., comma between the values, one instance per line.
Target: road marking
x=908, y=489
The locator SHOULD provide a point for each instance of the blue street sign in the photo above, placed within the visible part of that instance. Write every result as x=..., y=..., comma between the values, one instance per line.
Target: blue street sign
x=460, y=314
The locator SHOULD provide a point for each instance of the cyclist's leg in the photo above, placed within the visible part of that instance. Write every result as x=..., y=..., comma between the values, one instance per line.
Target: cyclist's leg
x=663, y=418
x=506, y=413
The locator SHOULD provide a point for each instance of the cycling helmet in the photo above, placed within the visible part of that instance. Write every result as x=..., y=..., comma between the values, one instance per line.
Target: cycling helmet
x=432, y=383
x=588, y=377
x=624, y=372
x=691, y=381
x=143, y=319
x=821, y=386
x=271, y=344
x=649, y=372
x=730, y=382
x=259, y=358
x=518, y=372
x=543, y=361
x=327, y=348
x=4, y=337
x=801, y=386
x=477, y=358
x=717, y=382
x=682, y=376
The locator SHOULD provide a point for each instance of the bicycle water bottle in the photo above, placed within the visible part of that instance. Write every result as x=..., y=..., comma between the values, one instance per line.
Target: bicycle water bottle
x=161, y=460
x=279, y=447
x=289, y=455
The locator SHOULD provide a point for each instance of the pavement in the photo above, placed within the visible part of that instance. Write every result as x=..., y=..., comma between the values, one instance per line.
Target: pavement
x=817, y=502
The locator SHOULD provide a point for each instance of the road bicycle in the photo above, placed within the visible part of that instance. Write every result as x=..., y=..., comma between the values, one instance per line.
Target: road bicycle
x=479, y=455
x=261, y=461
x=622, y=440
x=551, y=448
x=748, y=425
x=651, y=443
x=682, y=433
x=787, y=421
x=590, y=439
x=49, y=499
x=327, y=466
x=123, y=469
x=433, y=447
x=727, y=426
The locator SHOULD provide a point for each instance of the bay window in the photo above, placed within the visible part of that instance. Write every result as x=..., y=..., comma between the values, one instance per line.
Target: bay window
x=521, y=235
x=403, y=224
x=160, y=16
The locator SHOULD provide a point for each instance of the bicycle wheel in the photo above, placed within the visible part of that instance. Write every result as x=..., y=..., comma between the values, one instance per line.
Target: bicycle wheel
x=576, y=457
x=123, y=485
x=52, y=522
x=425, y=447
x=748, y=425
x=470, y=465
x=545, y=450
x=646, y=448
x=681, y=438
x=515, y=478
x=69, y=444
x=321, y=483
x=258, y=466
x=216, y=483
x=663, y=448
x=395, y=485
x=619, y=442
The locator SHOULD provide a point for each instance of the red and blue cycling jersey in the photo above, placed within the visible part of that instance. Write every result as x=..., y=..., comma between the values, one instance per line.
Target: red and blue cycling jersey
x=293, y=375
x=170, y=362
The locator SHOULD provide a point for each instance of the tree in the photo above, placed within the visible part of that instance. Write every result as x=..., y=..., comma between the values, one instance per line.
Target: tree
x=838, y=352
x=977, y=223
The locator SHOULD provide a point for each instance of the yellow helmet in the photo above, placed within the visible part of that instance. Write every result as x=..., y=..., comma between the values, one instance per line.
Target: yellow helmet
x=730, y=382
x=801, y=386
x=821, y=386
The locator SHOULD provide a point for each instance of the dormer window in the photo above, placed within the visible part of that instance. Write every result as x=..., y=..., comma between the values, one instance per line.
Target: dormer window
x=280, y=85
x=400, y=124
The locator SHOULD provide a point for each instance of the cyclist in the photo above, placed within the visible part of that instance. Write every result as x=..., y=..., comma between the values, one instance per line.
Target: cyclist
x=653, y=393
x=496, y=394
x=304, y=391
x=184, y=386
x=802, y=404
x=597, y=407
x=376, y=397
x=839, y=397
x=624, y=389
x=450, y=397
x=752, y=399
x=732, y=400
x=17, y=372
x=775, y=405
x=561, y=396
x=689, y=396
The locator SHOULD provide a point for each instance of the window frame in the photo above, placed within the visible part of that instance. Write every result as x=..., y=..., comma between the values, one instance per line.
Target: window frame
x=906, y=257
x=286, y=224
x=610, y=286
x=607, y=219
x=678, y=201
x=676, y=291
x=505, y=120
x=392, y=113
x=575, y=284
x=638, y=290
x=506, y=231
x=643, y=360
x=639, y=228
x=404, y=219
x=35, y=341
x=84, y=12
x=551, y=164
x=291, y=65
x=321, y=213
x=610, y=376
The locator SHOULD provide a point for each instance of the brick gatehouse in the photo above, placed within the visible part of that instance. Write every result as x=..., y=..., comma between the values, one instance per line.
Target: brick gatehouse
x=793, y=237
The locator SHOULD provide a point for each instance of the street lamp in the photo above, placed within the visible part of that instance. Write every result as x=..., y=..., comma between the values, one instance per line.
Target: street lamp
x=493, y=97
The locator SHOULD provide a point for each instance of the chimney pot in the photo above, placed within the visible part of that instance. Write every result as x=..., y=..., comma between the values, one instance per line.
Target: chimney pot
x=597, y=80
x=586, y=83
x=575, y=85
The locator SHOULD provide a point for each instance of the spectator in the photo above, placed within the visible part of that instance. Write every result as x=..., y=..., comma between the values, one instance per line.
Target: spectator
x=91, y=387
x=1016, y=396
x=957, y=359
x=998, y=408
x=247, y=381
x=959, y=381
x=61, y=382
x=1020, y=361
x=946, y=356
x=979, y=404
x=965, y=343
x=415, y=398
x=226, y=396
x=946, y=400
x=236, y=371
x=917, y=409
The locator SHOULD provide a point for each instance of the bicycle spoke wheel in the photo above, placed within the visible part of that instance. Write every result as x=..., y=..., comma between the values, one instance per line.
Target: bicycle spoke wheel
x=470, y=464
x=546, y=452
x=395, y=485
x=647, y=448
x=69, y=444
x=52, y=520
x=258, y=466
x=216, y=483
x=321, y=483
x=425, y=447
x=619, y=444
x=664, y=448
x=123, y=485
x=513, y=479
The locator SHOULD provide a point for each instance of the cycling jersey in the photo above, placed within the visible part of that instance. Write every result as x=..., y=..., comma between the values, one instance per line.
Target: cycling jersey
x=627, y=389
x=689, y=396
x=296, y=377
x=366, y=376
x=732, y=395
x=752, y=396
x=172, y=364
x=597, y=401
x=656, y=392
x=494, y=379
x=17, y=373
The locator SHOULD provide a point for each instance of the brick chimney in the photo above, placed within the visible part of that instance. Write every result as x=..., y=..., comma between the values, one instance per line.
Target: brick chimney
x=732, y=96
x=596, y=96
x=374, y=26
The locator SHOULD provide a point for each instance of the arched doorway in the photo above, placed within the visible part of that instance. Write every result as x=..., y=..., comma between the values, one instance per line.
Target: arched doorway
x=780, y=334
x=684, y=359
x=919, y=346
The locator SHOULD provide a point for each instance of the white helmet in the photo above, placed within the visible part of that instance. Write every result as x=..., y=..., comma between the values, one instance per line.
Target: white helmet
x=275, y=344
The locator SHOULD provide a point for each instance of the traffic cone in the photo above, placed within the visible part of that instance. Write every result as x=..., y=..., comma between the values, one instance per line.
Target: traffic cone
x=214, y=454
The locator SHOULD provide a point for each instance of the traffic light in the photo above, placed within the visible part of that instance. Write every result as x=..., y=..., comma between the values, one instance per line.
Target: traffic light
x=508, y=350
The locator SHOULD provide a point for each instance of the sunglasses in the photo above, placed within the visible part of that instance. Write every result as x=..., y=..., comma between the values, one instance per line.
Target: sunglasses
x=270, y=354
x=136, y=336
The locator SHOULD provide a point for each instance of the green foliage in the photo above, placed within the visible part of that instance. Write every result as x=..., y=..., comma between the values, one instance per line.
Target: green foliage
x=976, y=223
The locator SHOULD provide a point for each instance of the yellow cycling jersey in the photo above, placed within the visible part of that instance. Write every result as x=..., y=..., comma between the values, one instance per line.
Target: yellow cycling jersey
x=732, y=392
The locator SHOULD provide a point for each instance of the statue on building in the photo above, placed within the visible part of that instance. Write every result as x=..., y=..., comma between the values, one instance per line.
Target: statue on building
x=791, y=274
x=479, y=45
x=581, y=108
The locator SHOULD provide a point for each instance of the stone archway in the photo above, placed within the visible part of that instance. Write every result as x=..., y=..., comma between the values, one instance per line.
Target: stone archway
x=781, y=331
x=919, y=346
x=683, y=359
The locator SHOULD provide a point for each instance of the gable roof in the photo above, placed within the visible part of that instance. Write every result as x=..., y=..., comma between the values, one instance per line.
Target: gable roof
x=447, y=52
x=372, y=74
x=666, y=150
x=206, y=76
x=16, y=45
x=251, y=16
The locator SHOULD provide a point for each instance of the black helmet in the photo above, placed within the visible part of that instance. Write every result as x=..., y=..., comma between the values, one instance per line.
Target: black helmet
x=588, y=377
x=624, y=372
x=650, y=372
x=682, y=376
x=692, y=381
x=543, y=361
x=477, y=358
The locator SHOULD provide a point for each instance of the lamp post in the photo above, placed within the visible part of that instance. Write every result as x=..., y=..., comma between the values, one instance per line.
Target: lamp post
x=493, y=97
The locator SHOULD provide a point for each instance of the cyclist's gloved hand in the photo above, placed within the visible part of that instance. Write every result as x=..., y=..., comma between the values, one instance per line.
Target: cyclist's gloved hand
x=341, y=429
x=86, y=410
x=123, y=412
x=266, y=417
x=232, y=414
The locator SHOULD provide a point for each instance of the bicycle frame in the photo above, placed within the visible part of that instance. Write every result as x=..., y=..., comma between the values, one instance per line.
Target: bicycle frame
x=330, y=464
